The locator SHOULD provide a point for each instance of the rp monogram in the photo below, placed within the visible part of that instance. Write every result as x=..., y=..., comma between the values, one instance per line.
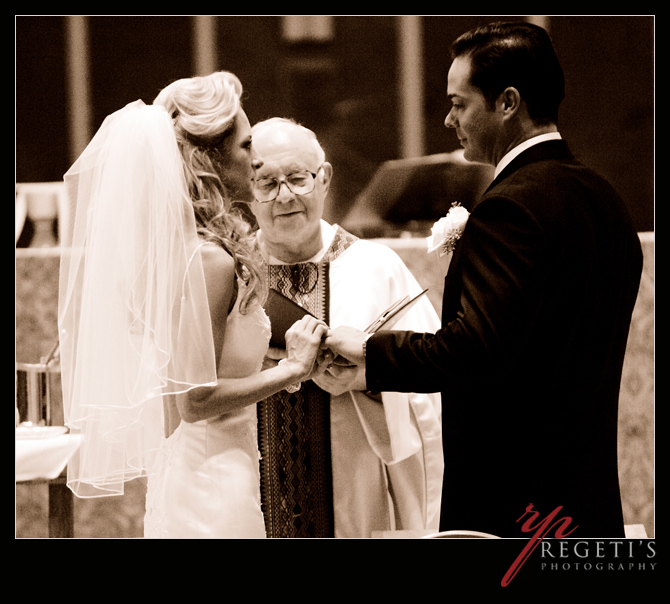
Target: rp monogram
x=541, y=529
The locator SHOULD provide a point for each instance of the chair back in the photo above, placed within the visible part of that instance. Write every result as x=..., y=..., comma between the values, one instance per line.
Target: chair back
x=461, y=535
x=41, y=200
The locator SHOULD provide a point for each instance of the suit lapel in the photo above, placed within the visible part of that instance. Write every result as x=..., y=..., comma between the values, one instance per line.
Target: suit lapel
x=452, y=284
x=557, y=150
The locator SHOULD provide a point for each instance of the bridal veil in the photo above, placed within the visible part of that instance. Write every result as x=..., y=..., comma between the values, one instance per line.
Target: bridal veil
x=134, y=322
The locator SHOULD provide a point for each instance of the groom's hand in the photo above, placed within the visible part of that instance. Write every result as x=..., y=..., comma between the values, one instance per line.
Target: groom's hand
x=346, y=342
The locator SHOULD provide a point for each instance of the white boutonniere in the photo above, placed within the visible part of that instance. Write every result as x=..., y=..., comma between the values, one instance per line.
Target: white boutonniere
x=446, y=232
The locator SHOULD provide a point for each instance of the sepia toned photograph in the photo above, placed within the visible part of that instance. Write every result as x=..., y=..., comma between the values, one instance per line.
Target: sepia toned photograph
x=311, y=277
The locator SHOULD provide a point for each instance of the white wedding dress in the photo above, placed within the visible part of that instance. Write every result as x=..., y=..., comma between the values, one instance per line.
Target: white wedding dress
x=207, y=482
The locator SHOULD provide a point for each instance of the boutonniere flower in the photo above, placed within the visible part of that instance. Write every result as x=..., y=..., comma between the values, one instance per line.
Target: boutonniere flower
x=446, y=232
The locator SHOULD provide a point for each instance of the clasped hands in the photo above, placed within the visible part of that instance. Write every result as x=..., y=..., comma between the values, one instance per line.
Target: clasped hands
x=333, y=358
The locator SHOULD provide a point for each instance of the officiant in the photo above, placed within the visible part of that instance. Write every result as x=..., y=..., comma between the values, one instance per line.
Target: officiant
x=337, y=459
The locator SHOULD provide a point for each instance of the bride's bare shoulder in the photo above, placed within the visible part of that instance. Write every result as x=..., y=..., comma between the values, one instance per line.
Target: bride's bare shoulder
x=219, y=270
x=216, y=260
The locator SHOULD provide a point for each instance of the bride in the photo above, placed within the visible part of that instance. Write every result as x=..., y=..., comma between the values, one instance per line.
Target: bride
x=162, y=329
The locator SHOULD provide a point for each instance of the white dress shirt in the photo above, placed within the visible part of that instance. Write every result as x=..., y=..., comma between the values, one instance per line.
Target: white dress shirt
x=510, y=155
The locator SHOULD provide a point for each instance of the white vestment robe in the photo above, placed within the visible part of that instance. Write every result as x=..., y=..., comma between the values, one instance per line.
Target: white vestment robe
x=387, y=460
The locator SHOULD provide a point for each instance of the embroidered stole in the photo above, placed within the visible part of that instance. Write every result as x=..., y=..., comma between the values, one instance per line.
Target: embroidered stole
x=294, y=428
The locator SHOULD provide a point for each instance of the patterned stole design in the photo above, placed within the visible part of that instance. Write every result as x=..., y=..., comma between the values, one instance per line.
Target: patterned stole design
x=294, y=428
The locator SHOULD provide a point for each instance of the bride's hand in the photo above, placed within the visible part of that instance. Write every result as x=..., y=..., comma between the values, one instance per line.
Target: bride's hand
x=303, y=343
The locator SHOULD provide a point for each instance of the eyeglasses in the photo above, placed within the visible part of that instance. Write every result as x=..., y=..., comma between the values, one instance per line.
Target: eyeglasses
x=267, y=189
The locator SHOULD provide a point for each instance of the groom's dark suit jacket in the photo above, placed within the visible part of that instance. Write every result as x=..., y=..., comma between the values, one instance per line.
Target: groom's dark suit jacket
x=535, y=319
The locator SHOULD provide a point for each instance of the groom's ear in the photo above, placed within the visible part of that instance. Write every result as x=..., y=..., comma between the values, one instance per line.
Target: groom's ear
x=509, y=101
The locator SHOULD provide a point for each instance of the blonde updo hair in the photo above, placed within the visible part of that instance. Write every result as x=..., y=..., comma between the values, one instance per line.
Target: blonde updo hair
x=203, y=110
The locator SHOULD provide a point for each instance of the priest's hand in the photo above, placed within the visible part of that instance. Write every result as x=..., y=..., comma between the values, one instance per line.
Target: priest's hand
x=338, y=379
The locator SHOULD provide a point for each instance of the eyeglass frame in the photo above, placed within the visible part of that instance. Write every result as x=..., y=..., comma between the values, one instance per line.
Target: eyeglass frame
x=283, y=181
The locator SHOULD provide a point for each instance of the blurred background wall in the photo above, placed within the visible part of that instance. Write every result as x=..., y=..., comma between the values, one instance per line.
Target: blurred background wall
x=372, y=87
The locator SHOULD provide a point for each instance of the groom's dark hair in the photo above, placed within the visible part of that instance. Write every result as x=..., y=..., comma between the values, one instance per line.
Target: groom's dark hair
x=519, y=55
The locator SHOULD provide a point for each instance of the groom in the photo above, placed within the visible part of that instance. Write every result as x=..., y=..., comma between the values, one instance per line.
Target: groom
x=536, y=309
